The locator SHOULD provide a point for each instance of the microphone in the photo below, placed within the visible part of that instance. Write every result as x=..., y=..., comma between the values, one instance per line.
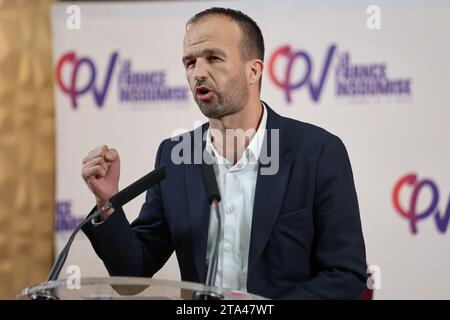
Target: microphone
x=136, y=188
x=213, y=196
x=116, y=201
x=209, y=179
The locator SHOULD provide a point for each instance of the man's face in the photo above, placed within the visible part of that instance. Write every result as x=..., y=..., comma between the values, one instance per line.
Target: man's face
x=214, y=66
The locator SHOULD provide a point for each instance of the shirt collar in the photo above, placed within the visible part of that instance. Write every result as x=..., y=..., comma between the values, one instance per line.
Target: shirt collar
x=253, y=150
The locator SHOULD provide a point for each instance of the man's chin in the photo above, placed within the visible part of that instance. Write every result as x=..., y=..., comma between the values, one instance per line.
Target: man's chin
x=209, y=109
x=211, y=114
x=213, y=109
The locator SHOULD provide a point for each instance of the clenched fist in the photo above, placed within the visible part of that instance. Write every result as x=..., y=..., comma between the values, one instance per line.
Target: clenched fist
x=101, y=171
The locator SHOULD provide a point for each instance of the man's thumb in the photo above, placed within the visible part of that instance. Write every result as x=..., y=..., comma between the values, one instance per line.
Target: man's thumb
x=111, y=155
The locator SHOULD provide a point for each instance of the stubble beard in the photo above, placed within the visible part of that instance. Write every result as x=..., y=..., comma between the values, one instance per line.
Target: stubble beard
x=230, y=100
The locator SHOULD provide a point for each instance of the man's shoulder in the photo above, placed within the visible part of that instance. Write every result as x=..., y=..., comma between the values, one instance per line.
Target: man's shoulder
x=297, y=130
x=311, y=141
x=184, y=141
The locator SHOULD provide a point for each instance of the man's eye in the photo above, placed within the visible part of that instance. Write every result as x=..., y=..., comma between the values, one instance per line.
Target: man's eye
x=213, y=58
x=189, y=64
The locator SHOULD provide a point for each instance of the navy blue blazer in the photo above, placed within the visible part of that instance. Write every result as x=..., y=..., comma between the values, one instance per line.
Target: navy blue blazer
x=306, y=238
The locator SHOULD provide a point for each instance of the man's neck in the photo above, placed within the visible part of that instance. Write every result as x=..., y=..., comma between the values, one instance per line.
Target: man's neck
x=227, y=132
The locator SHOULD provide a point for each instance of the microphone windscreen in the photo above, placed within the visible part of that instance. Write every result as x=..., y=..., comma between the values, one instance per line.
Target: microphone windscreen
x=209, y=179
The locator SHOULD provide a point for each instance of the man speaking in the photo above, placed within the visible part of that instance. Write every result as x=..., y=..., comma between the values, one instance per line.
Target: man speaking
x=290, y=226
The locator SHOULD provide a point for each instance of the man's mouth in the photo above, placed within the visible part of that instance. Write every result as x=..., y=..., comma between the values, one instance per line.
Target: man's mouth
x=203, y=93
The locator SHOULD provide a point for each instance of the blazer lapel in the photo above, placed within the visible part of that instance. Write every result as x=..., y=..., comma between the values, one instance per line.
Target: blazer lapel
x=269, y=192
x=199, y=208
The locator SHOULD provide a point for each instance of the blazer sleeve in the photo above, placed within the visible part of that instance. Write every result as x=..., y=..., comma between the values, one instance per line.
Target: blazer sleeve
x=338, y=258
x=139, y=249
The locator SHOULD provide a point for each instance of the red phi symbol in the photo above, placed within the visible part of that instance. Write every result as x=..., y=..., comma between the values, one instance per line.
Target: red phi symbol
x=411, y=213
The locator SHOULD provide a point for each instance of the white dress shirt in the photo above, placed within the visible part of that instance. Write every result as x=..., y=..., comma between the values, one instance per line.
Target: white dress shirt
x=237, y=185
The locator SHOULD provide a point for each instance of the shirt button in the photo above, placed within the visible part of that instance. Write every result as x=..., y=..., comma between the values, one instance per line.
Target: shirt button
x=230, y=210
x=228, y=246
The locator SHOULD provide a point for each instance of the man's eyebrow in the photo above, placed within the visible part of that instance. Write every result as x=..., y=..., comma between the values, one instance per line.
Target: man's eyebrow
x=208, y=51
x=214, y=51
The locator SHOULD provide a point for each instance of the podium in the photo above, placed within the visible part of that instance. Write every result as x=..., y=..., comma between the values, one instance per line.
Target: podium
x=127, y=288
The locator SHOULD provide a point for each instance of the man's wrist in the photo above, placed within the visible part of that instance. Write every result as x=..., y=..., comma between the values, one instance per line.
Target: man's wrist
x=105, y=215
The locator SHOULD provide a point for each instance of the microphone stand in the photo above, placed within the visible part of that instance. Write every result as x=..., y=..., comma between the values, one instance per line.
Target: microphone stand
x=57, y=266
x=212, y=261
x=214, y=257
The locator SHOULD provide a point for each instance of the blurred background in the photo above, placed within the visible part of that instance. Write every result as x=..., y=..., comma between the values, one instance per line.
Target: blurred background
x=27, y=145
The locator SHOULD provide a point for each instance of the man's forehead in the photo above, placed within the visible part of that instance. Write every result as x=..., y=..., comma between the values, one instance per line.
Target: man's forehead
x=196, y=37
x=211, y=29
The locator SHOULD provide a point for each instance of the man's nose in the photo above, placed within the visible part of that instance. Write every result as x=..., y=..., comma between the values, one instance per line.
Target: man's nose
x=200, y=71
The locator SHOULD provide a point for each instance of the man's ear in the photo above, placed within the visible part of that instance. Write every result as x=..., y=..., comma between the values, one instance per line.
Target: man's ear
x=255, y=69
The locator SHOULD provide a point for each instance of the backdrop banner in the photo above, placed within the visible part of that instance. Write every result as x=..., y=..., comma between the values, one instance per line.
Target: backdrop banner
x=376, y=76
